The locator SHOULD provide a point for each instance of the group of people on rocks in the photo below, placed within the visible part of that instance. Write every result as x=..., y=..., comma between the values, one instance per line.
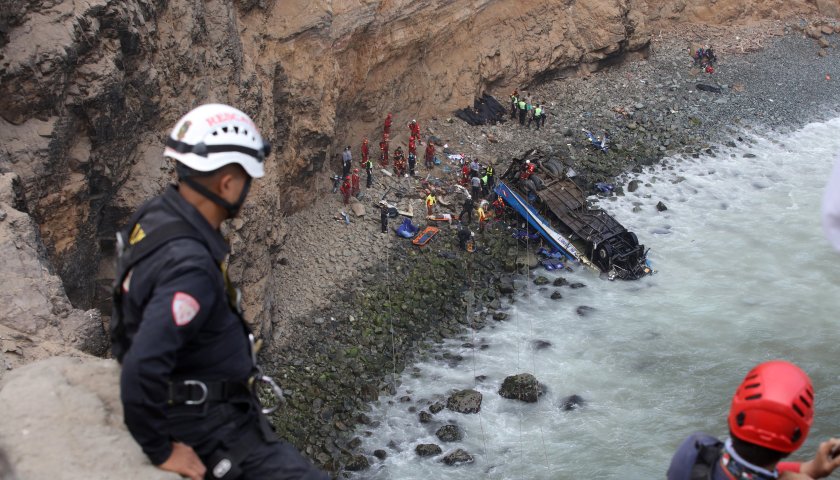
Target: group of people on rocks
x=526, y=109
x=704, y=57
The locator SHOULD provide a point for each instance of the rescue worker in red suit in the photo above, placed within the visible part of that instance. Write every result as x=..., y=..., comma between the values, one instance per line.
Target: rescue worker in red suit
x=399, y=162
x=412, y=146
x=346, y=189
x=383, y=153
x=354, y=183
x=386, y=130
x=430, y=155
x=527, y=170
x=365, y=151
x=414, y=128
x=465, y=174
x=499, y=207
x=769, y=418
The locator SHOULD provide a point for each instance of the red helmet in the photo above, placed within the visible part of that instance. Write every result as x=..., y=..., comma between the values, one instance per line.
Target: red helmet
x=773, y=407
x=355, y=170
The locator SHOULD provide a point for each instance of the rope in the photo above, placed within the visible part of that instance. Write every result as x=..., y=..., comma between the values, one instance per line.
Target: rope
x=533, y=357
x=470, y=317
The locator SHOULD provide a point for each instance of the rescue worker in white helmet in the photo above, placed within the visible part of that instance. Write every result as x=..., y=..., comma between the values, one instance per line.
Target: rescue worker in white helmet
x=188, y=359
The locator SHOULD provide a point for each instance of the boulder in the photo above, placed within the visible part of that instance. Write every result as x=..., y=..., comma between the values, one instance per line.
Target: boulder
x=572, y=402
x=661, y=206
x=584, y=310
x=428, y=449
x=357, y=463
x=464, y=401
x=577, y=285
x=66, y=419
x=540, y=280
x=523, y=386
x=556, y=295
x=380, y=454
x=358, y=208
x=458, y=457
x=560, y=281
x=527, y=260
x=633, y=186
x=506, y=284
x=436, y=407
x=424, y=417
x=449, y=433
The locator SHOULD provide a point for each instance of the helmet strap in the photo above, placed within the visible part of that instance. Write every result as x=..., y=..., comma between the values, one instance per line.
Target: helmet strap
x=739, y=469
x=232, y=208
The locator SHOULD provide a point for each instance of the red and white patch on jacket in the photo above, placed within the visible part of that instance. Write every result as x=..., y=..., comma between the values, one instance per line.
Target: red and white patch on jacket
x=184, y=308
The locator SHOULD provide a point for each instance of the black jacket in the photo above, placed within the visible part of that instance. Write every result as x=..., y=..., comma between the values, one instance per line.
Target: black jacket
x=179, y=322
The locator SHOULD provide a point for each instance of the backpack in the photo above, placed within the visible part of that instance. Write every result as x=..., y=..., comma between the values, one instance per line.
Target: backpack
x=696, y=458
x=130, y=252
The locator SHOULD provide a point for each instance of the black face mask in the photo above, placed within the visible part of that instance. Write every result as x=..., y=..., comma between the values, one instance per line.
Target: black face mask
x=232, y=208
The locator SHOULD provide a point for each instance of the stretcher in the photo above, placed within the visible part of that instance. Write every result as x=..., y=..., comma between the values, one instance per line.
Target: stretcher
x=425, y=236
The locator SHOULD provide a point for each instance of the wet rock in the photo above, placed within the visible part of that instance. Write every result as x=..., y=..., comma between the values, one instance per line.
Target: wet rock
x=506, y=285
x=528, y=260
x=428, y=449
x=661, y=206
x=355, y=443
x=458, y=457
x=583, y=310
x=464, y=401
x=577, y=285
x=449, y=433
x=424, y=417
x=523, y=386
x=560, y=281
x=380, y=454
x=633, y=186
x=357, y=463
x=405, y=399
x=749, y=155
x=540, y=280
x=572, y=402
x=540, y=344
x=363, y=419
x=556, y=295
x=500, y=316
x=436, y=407
x=480, y=378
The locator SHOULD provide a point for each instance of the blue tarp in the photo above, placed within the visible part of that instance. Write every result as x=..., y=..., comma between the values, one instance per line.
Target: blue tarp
x=407, y=229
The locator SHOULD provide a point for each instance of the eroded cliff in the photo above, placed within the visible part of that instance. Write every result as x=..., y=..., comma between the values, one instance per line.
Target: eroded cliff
x=88, y=89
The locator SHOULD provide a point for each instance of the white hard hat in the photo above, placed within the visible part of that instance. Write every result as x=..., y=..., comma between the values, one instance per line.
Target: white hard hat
x=527, y=161
x=214, y=135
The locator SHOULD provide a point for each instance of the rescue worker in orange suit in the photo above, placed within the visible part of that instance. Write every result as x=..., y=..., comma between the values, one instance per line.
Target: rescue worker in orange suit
x=414, y=129
x=354, y=183
x=412, y=146
x=399, y=162
x=499, y=207
x=430, y=156
x=465, y=174
x=346, y=189
x=769, y=418
x=386, y=130
x=383, y=153
x=527, y=170
x=188, y=358
x=365, y=151
x=482, y=215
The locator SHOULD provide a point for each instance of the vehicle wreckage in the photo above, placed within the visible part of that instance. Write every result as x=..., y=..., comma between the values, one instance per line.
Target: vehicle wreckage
x=556, y=208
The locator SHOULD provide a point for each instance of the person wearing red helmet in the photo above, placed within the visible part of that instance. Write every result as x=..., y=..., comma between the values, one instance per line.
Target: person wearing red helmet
x=354, y=182
x=769, y=419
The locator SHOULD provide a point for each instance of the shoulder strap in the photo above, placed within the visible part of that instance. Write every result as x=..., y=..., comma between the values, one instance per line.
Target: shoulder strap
x=132, y=255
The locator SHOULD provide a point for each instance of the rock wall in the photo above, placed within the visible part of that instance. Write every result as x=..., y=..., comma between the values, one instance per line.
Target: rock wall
x=88, y=89
x=71, y=424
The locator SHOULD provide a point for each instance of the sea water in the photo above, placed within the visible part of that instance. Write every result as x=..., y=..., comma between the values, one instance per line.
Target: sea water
x=744, y=275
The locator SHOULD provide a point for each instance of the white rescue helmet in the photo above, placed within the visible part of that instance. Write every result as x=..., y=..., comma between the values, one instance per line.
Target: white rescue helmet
x=214, y=135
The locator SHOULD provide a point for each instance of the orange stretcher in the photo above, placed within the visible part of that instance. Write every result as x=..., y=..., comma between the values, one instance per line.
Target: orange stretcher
x=425, y=236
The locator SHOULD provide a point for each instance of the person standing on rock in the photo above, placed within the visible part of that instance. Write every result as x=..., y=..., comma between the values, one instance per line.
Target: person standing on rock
x=430, y=202
x=346, y=189
x=430, y=156
x=522, y=111
x=414, y=130
x=412, y=161
x=476, y=186
x=354, y=183
x=188, y=356
x=412, y=145
x=369, y=171
x=383, y=215
x=346, y=161
x=491, y=177
x=399, y=162
x=514, y=101
x=536, y=117
x=543, y=114
x=386, y=129
x=383, y=153
x=482, y=215
x=365, y=151
x=467, y=210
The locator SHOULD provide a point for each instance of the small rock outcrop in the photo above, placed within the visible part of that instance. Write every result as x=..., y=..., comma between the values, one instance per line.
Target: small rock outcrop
x=428, y=449
x=449, y=433
x=572, y=402
x=523, y=386
x=464, y=401
x=458, y=457
x=71, y=424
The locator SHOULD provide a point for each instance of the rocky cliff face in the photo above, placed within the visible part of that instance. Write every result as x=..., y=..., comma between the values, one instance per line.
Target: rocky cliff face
x=88, y=89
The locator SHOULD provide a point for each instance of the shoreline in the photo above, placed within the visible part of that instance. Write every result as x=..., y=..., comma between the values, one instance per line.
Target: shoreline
x=345, y=355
